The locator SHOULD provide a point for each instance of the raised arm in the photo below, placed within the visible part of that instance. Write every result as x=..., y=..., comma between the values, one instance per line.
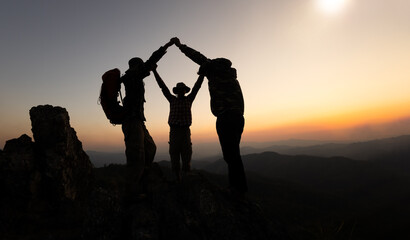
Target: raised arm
x=157, y=55
x=196, y=87
x=162, y=85
x=191, y=53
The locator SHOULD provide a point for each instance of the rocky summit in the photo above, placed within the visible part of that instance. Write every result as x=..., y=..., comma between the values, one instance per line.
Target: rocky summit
x=50, y=190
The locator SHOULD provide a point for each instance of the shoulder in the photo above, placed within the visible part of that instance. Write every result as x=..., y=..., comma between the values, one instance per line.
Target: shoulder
x=171, y=98
x=124, y=77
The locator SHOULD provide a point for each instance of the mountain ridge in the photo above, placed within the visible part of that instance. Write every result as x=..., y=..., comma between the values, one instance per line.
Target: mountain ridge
x=363, y=150
x=369, y=196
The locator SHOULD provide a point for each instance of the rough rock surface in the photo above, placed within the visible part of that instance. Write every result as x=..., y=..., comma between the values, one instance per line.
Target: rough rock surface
x=49, y=190
x=65, y=163
x=38, y=179
x=192, y=209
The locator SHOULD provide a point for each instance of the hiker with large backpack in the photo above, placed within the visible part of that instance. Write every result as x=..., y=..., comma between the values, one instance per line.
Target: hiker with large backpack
x=140, y=148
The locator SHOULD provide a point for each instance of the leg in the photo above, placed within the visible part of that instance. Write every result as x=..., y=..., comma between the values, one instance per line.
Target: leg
x=150, y=148
x=134, y=151
x=175, y=153
x=229, y=129
x=186, y=151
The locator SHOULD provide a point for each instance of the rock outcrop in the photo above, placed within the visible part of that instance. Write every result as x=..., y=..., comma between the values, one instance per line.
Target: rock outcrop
x=38, y=179
x=50, y=190
x=54, y=166
x=193, y=209
x=64, y=161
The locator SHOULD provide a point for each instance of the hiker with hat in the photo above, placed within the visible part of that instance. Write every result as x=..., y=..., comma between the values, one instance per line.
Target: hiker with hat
x=227, y=105
x=140, y=148
x=180, y=120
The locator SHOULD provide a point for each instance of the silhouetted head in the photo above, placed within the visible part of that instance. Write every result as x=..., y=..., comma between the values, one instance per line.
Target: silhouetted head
x=181, y=89
x=135, y=63
x=218, y=67
x=221, y=62
x=137, y=66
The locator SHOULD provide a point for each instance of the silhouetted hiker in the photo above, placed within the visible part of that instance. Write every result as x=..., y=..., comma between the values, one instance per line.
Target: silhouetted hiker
x=179, y=120
x=140, y=147
x=228, y=106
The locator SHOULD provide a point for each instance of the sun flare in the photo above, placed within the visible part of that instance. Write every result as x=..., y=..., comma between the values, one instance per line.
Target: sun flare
x=331, y=6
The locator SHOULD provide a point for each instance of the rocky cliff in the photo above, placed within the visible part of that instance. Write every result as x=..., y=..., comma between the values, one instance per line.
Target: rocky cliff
x=50, y=190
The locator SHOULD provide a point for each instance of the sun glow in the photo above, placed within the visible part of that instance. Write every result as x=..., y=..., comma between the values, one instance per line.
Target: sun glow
x=331, y=6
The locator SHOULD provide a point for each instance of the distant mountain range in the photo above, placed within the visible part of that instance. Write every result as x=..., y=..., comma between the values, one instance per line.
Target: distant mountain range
x=99, y=159
x=369, y=198
x=367, y=150
x=332, y=174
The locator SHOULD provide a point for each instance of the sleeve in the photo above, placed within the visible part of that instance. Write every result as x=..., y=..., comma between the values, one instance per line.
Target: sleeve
x=196, y=88
x=155, y=57
x=194, y=55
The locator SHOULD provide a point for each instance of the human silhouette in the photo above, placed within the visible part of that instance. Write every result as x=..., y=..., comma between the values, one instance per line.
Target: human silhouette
x=227, y=105
x=140, y=147
x=179, y=121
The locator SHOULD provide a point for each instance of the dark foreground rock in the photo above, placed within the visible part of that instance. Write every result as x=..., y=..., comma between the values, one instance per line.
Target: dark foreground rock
x=192, y=209
x=49, y=190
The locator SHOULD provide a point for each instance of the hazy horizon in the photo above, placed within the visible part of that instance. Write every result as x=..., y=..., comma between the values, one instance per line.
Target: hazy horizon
x=212, y=150
x=202, y=148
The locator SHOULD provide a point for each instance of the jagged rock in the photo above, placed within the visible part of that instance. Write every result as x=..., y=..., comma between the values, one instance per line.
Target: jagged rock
x=40, y=180
x=20, y=153
x=56, y=157
x=18, y=174
x=66, y=165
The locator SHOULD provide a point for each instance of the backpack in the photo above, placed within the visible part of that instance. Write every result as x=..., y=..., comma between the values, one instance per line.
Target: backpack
x=110, y=88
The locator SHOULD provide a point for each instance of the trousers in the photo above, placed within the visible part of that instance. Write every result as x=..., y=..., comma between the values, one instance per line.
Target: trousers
x=229, y=127
x=140, y=148
x=180, y=148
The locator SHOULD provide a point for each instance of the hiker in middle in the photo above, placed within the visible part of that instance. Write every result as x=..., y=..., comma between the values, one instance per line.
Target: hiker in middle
x=180, y=119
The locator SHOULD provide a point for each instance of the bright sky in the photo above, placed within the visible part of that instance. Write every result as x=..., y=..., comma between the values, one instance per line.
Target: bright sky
x=305, y=66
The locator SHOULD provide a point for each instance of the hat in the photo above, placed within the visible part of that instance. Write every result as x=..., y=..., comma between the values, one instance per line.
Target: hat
x=181, y=87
